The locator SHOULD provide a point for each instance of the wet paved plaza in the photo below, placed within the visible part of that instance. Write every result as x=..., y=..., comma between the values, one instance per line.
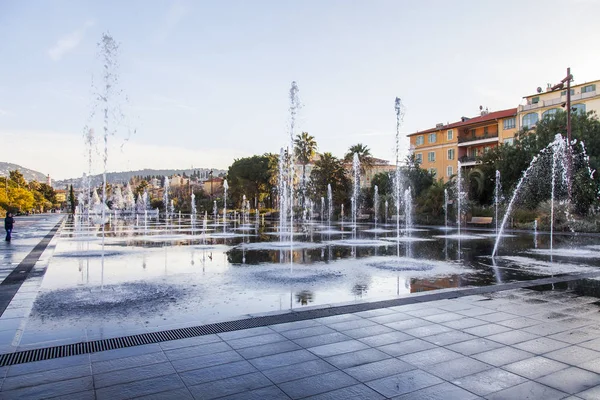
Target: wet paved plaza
x=526, y=343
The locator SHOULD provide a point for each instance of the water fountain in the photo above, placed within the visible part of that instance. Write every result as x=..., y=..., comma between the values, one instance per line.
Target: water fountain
x=355, y=193
x=330, y=206
x=446, y=208
x=375, y=204
x=166, y=197
x=225, y=187
x=497, y=198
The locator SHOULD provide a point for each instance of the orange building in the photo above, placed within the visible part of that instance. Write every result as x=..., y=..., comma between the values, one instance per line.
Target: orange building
x=440, y=149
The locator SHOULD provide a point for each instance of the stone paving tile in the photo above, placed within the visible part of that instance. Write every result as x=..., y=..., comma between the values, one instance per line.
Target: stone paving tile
x=573, y=355
x=496, y=317
x=474, y=346
x=430, y=357
x=424, y=312
x=356, y=392
x=386, y=338
x=592, y=365
x=486, y=382
x=427, y=330
x=307, y=332
x=409, y=307
x=448, y=338
x=453, y=305
x=374, y=313
x=193, y=341
x=388, y=318
x=408, y=324
x=571, y=380
x=348, y=325
x=333, y=349
x=487, y=330
x=541, y=345
x=43, y=377
x=368, y=331
x=317, y=384
x=464, y=323
x=355, y=358
x=403, y=383
x=256, y=340
x=179, y=394
x=268, y=349
x=449, y=316
x=244, y=333
x=527, y=391
x=322, y=339
x=338, y=318
x=475, y=311
x=62, y=388
x=574, y=336
x=406, y=347
x=128, y=362
x=188, y=364
x=85, y=395
x=457, y=368
x=546, y=329
x=126, y=352
x=46, y=365
x=282, y=359
x=218, y=372
x=298, y=371
x=195, y=351
x=512, y=337
x=519, y=322
x=443, y=391
x=590, y=394
x=535, y=367
x=132, y=374
x=266, y=393
x=229, y=386
x=378, y=369
x=289, y=326
x=502, y=356
x=140, y=388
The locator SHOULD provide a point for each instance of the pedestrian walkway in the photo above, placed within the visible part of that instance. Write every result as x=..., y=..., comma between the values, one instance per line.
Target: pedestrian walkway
x=514, y=344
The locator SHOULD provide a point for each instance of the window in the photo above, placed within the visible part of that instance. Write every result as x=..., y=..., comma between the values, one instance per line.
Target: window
x=432, y=137
x=530, y=120
x=578, y=108
x=450, y=154
x=419, y=158
x=549, y=113
x=510, y=123
x=509, y=141
x=485, y=131
x=564, y=92
x=420, y=140
x=449, y=171
x=535, y=100
x=431, y=156
x=588, y=88
x=433, y=172
x=472, y=132
x=450, y=134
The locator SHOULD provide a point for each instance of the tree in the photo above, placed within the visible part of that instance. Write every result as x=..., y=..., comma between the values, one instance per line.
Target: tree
x=431, y=202
x=419, y=179
x=72, y=200
x=141, y=187
x=17, y=177
x=250, y=176
x=330, y=170
x=305, y=147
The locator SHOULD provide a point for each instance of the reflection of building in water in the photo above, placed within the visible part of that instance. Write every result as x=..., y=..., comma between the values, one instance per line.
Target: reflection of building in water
x=359, y=290
x=304, y=297
x=423, y=285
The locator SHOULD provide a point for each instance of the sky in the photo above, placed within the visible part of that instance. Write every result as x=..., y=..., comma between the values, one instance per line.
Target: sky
x=207, y=82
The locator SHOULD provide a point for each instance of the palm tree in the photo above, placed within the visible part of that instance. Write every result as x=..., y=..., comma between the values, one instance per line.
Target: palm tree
x=364, y=156
x=305, y=147
x=330, y=170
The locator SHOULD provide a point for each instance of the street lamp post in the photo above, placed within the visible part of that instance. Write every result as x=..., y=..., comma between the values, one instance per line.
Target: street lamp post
x=561, y=85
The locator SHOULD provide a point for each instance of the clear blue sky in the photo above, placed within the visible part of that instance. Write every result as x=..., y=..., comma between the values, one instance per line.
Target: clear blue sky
x=208, y=81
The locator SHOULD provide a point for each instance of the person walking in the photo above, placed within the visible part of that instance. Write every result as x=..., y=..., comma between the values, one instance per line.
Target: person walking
x=8, y=225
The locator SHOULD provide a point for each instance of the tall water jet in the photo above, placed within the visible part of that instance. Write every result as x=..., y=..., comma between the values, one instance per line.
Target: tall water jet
x=322, y=210
x=497, y=197
x=355, y=192
x=459, y=195
x=166, y=197
x=446, y=208
x=282, y=194
x=225, y=187
x=376, y=204
x=89, y=142
x=386, y=206
x=398, y=108
x=193, y=206
x=294, y=108
x=215, y=211
x=557, y=149
x=330, y=206
x=407, y=211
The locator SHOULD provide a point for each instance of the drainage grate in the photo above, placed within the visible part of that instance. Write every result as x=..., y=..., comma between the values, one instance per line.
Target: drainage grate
x=95, y=346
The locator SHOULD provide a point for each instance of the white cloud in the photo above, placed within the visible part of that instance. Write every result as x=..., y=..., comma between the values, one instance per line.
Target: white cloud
x=68, y=42
x=176, y=12
x=63, y=155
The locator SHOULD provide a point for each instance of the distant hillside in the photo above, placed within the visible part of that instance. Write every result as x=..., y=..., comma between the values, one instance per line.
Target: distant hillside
x=28, y=174
x=125, y=176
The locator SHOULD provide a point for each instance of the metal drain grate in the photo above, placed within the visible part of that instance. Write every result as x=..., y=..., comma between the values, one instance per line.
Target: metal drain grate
x=95, y=346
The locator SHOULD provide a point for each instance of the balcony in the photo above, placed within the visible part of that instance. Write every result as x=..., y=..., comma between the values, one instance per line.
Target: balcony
x=556, y=101
x=467, y=161
x=469, y=141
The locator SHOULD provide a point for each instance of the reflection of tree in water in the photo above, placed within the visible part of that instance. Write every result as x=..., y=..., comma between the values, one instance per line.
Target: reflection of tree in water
x=360, y=289
x=304, y=297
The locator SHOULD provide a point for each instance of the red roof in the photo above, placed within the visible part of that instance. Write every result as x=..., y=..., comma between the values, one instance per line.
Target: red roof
x=472, y=121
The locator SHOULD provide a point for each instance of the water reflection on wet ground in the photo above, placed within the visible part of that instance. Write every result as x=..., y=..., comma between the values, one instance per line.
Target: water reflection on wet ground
x=154, y=276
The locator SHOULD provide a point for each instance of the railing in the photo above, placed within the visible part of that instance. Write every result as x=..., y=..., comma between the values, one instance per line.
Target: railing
x=557, y=100
x=472, y=139
x=465, y=159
